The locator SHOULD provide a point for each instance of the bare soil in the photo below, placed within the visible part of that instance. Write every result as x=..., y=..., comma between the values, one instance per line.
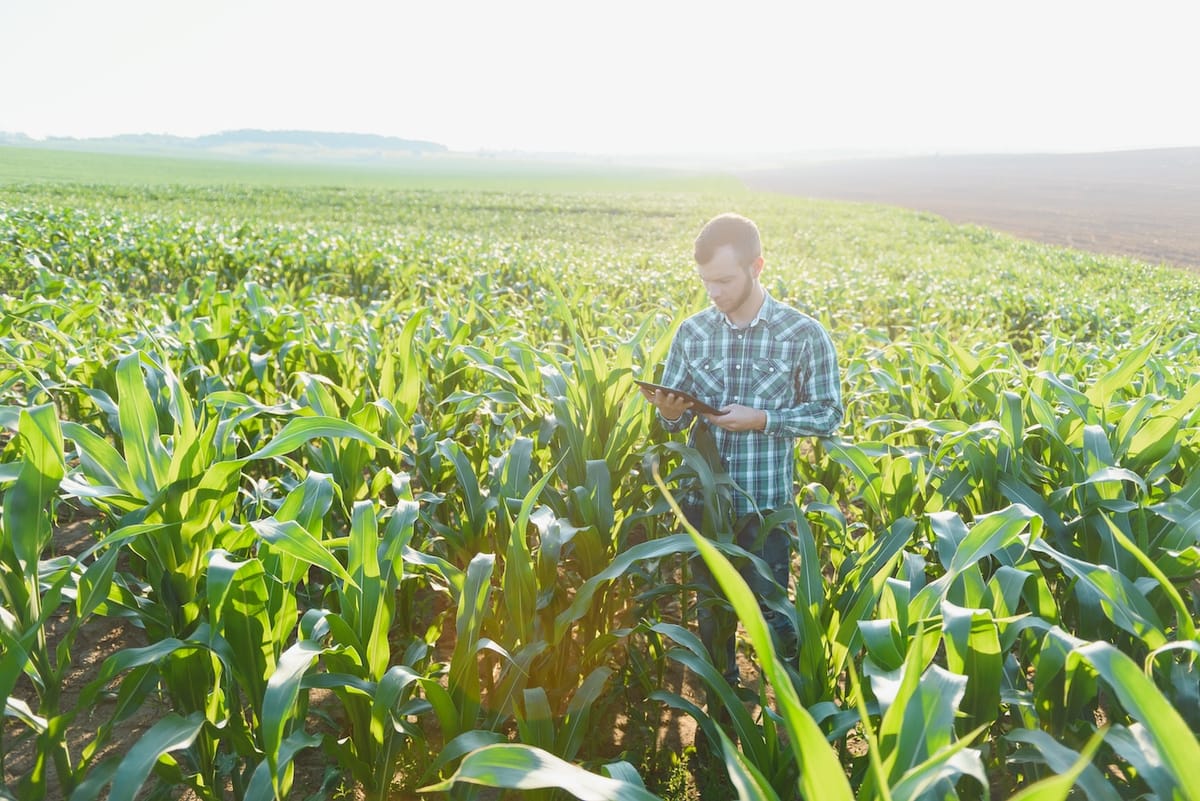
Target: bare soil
x=1140, y=204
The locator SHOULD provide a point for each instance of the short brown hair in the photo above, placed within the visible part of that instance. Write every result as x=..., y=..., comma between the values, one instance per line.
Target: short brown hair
x=729, y=229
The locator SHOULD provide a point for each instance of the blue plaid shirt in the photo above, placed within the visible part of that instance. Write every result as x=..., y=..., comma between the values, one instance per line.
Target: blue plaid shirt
x=783, y=363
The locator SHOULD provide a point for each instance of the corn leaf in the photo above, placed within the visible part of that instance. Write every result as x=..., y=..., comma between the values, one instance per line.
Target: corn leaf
x=300, y=430
x=289, y=537
x=1173, y=740
x=1065, y=761
x=521, y=767
x=26, y=513
x=1058, y=788
x=278, y=707
x=972, y=641
x=171, y=733
x=145, y=454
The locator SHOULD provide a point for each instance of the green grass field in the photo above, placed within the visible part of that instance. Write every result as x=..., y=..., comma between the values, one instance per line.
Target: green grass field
x=375, y=507
x=40, y=167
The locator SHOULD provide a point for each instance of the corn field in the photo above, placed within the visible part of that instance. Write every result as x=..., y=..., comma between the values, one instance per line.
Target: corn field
x=365, y=475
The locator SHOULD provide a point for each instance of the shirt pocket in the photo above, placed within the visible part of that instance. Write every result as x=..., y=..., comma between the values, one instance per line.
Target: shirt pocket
x=772, y=383
x=708, y=377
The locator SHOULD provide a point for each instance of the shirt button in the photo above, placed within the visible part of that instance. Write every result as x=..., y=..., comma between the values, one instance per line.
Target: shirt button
x=737, y=367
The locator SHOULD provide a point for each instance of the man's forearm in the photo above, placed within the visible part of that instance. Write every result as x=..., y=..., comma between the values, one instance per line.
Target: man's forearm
x=820, y=419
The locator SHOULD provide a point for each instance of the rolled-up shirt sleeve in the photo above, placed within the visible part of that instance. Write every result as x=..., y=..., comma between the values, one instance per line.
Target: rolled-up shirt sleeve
x=819, y=392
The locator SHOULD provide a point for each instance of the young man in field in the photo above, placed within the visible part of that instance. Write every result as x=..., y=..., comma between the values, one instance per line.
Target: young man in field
x=772, y=371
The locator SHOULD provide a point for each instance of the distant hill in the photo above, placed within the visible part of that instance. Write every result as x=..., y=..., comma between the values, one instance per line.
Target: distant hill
x=247, y=143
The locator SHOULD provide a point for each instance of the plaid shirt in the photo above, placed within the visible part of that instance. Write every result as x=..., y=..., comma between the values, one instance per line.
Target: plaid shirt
x=783, y=363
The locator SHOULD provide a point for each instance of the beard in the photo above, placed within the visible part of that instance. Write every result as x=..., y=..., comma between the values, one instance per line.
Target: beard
x=743, y=296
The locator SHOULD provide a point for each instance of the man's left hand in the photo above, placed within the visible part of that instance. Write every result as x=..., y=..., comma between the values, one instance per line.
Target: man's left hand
x=739, y=418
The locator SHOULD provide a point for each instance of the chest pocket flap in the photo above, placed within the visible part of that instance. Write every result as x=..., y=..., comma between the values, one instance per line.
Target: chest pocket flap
x=772, y=382
x=708, y=379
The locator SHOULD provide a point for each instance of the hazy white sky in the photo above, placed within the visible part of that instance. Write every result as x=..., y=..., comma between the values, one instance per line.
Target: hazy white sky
x=622, y=76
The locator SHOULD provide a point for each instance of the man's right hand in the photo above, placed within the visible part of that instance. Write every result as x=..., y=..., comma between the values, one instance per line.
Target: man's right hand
x=669, y=405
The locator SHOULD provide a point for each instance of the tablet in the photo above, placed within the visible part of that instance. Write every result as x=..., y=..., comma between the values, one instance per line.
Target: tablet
x=697, y=404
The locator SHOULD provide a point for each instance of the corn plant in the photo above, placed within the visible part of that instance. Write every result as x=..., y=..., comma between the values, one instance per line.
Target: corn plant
x=33, y=589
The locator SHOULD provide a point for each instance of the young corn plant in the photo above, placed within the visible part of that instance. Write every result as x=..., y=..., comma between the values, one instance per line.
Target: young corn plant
x=378, y=697
x=33, y=589
x=181, y=495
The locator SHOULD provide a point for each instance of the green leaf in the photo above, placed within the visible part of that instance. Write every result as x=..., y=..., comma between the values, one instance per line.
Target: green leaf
x=521, y=767
x=368, y=608
x=1174, y=742
x=26, y=513
x=869, y=479
x=1153, y=442
x=148, y=460
x=920, y=722
x=462, y=745
x=300, y=430
x=947, y=764
x=536, y=722
x=95, y=582
x=1064, y=761
x=408, y=394
x=1106, y=387
x=654, y=549
x=990, y=534
x=279, y=704
x=1186, y=625
x=883, y=642
x=463, y=680
x=972, y=641
x=1058, y=788
x=99, y=460
x=866, y=581
x=260, y=788
x=745, y=777
x=574, y=729
x=238, y=609
x=389, y=693
x=171, y=733
x=519, y=581
x=1121, y=601
x=291, y=538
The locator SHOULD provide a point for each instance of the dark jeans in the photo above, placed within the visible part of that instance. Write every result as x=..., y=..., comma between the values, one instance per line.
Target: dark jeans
x=718, y=624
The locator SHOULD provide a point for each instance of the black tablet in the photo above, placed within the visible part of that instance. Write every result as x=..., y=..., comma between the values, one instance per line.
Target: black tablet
x=697, y=404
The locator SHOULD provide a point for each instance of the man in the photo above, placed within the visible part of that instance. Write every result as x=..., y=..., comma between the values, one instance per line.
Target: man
x=773, y=372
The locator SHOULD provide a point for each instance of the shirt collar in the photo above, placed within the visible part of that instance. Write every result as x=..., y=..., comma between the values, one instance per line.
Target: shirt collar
x=763, y=316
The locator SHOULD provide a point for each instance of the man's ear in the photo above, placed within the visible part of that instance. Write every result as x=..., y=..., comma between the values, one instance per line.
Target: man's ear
x=756, y=266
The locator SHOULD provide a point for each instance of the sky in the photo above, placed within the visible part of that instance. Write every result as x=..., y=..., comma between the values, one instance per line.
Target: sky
x=615, y=77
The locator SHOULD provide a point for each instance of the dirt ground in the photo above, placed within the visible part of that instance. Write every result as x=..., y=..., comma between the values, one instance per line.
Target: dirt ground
x=1142, y=204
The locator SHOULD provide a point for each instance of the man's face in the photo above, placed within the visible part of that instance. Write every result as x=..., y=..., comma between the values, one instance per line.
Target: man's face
x=730, y=285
